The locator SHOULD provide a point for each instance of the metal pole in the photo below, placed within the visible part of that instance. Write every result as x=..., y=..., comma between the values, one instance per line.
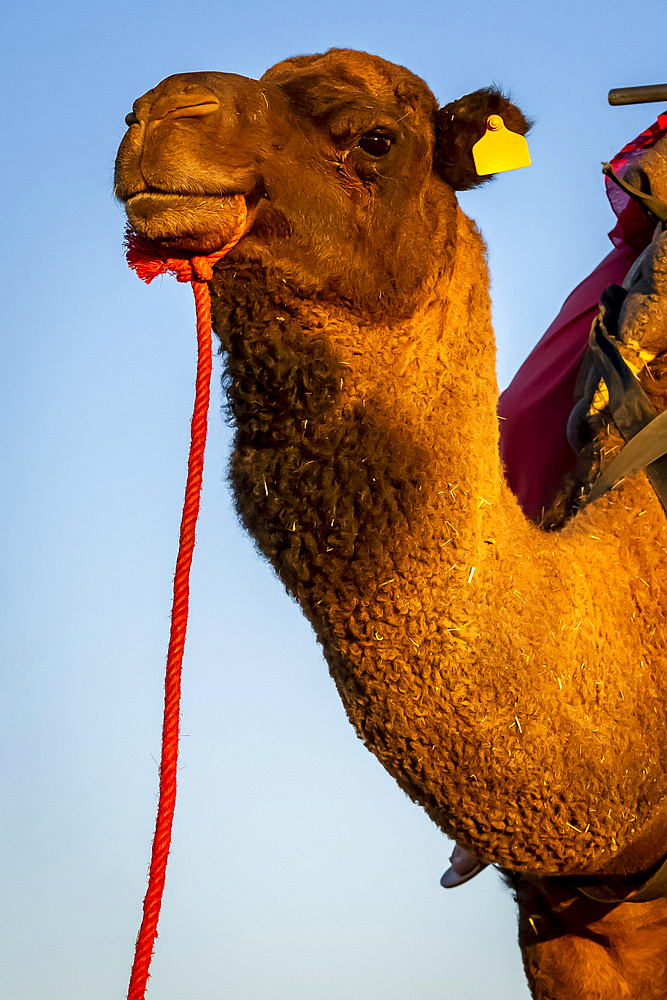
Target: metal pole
x=638, y=95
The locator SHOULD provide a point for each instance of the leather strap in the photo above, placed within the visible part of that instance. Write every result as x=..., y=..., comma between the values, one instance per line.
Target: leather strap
x=653, y=205
x=655, y=887
x=640, y=452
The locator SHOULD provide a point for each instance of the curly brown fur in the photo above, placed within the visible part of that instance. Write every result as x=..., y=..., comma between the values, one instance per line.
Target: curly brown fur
x=365, y=518
x=511, y=680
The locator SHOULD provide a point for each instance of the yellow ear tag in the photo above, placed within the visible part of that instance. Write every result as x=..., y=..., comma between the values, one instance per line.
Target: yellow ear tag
x=499, y=149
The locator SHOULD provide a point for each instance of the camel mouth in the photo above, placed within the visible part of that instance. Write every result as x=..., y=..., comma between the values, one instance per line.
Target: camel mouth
x=188, y=222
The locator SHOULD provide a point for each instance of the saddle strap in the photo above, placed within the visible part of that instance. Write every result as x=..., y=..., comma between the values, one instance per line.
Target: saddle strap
x=653, y=205
x=641, y=452
x=654, y=887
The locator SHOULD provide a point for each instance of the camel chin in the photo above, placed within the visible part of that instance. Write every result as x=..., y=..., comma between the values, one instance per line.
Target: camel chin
x=183, y=222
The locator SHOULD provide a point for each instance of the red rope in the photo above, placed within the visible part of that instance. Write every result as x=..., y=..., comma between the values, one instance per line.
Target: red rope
x=148, y=262
x=172, y=687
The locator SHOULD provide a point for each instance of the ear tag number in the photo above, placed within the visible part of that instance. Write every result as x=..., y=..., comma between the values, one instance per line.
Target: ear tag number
x=499, y=149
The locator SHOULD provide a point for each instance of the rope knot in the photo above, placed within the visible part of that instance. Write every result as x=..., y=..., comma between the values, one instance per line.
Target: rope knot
x=149, y=260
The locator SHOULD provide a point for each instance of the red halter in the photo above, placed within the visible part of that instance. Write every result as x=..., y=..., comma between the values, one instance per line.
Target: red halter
x=149, y=261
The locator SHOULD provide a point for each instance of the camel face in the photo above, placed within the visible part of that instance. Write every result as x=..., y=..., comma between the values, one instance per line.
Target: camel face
x=336, y=150
x=188, y=151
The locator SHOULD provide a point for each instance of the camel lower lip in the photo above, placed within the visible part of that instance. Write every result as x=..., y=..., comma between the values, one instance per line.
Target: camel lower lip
x=149, y=202
x=188, y=221
x=179, y=195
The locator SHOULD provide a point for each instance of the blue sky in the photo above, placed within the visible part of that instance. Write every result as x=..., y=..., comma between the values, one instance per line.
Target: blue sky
x=298, y=868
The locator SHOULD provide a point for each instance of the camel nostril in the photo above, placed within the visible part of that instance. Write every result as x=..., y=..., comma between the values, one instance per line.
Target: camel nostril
x=184, y=105
x=131, y=119
x=194, y=110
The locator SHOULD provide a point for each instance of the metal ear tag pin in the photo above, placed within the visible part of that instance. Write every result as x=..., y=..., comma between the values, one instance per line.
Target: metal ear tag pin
x=499, y=149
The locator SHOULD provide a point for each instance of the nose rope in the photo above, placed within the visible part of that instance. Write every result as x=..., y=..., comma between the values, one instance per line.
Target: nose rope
x=148, y=261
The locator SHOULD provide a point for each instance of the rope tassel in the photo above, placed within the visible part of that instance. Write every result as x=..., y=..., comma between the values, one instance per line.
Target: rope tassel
x=148, y=262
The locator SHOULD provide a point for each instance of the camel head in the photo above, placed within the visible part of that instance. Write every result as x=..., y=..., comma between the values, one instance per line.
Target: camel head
x=340, y=149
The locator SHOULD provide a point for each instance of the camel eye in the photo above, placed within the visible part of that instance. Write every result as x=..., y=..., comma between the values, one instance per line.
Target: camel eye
x=375, y=143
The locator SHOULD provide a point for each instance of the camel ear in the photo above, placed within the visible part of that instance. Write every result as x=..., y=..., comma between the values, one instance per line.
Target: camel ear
x=460, y=124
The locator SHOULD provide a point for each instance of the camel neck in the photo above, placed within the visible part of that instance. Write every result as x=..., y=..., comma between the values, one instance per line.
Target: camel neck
x=460, y=637
x=348, y=426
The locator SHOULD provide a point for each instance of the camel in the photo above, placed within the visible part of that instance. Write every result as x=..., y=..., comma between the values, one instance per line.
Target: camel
x=510, y=679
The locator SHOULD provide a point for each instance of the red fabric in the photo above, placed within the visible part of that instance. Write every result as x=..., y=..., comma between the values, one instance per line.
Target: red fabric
x=535, y=407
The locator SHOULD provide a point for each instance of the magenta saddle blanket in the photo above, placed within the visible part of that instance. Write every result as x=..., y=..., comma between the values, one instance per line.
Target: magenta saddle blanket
x=536, y=405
